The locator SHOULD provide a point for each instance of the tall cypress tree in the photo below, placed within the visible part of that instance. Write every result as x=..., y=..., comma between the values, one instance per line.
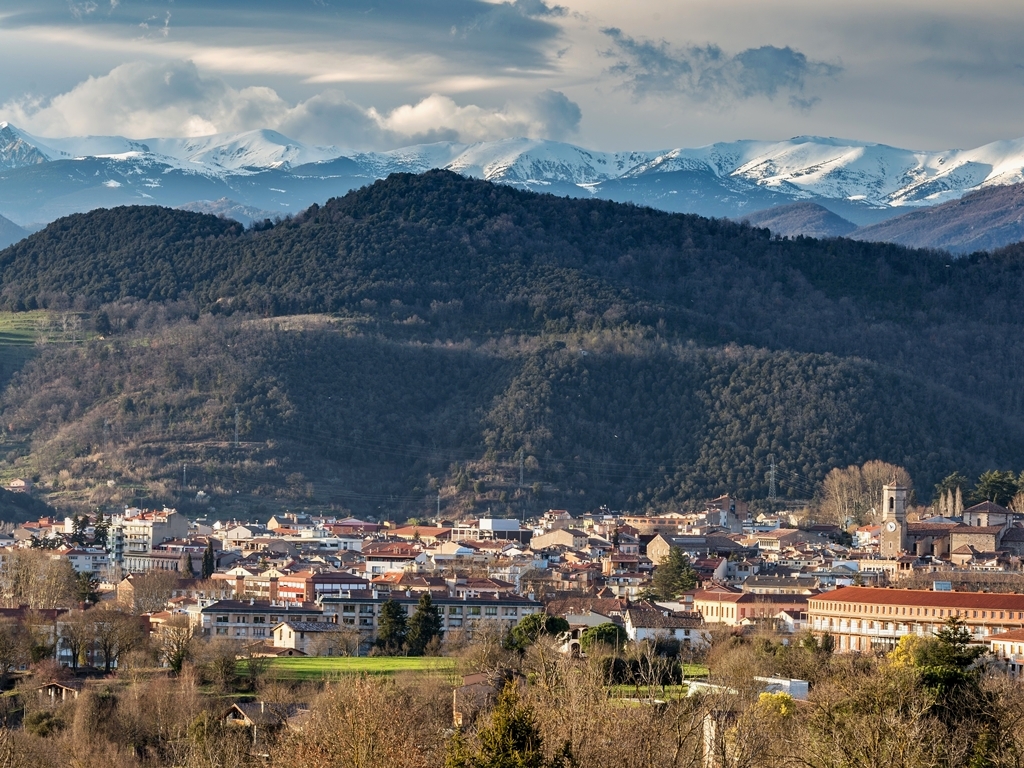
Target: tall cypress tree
x=209, y=560
x=424, y=625
x=391, y=627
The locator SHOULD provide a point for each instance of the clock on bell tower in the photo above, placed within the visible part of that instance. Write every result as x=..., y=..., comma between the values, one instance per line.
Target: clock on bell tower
x=893, y=541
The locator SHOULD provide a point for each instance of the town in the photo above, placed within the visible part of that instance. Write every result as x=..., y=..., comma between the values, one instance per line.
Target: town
x=315, y=585
x=99, y=604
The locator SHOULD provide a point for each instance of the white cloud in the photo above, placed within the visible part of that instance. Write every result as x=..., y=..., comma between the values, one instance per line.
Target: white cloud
x=143, y=99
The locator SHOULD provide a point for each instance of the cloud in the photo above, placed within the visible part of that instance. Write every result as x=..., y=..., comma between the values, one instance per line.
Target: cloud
x=467, y=34
x=145, y=100
x=709, y=74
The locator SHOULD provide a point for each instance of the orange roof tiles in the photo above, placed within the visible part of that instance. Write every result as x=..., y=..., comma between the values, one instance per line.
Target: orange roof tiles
x=923, y=597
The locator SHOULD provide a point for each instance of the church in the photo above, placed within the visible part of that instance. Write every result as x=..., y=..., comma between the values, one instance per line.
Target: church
x=985, y=532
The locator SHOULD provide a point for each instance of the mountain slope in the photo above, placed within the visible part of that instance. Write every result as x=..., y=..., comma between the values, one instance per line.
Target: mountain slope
x=600, y=338
x=807, y=219
x=984, y=220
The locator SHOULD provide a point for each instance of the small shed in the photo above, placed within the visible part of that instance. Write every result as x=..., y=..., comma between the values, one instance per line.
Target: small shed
x=57, y=692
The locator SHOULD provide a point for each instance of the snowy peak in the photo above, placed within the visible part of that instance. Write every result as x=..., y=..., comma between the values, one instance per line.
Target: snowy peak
x=17, y=149
x=863, y=181
x=237, y=151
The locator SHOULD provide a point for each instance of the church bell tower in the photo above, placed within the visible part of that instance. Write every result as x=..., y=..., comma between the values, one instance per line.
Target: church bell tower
x=894, y=520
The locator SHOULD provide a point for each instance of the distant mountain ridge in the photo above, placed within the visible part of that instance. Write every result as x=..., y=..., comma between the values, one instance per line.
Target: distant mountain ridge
x=10, y=232
x=42, y=179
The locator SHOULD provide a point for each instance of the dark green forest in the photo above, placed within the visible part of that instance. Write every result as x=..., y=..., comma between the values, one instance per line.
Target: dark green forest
x=438, y=335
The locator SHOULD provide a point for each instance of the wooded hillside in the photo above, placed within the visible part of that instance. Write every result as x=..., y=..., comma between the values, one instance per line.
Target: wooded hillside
x=616, y=354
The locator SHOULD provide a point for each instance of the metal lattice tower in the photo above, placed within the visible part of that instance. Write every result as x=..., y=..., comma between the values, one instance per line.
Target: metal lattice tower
x=771, y=480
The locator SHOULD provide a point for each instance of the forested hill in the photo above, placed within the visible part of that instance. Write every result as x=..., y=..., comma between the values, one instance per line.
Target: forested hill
x=620, y=354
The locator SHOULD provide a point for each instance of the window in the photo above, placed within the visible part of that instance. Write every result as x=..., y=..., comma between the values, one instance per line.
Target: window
x=259, y=632
x=455, y=610
x=222, y=619
x=473, y=610
x=222, y=630
x=259, y=619
x=366, y=609
x=491, y=610
x=348, y=609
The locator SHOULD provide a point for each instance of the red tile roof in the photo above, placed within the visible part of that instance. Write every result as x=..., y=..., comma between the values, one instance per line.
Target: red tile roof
x=923, y=597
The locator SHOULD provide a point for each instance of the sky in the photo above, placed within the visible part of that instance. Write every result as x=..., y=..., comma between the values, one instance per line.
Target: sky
x=603, y=74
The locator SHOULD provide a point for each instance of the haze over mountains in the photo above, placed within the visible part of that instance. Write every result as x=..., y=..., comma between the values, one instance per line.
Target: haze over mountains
x=245, y=174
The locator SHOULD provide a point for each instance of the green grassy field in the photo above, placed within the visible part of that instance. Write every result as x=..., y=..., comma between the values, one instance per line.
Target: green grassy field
x=20, y=328
x=315, y=668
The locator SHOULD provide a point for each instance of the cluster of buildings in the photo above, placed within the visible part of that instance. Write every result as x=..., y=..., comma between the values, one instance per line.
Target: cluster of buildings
x=317, y=584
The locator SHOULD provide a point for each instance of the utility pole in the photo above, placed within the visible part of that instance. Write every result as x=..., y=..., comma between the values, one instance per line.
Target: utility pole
x=771, y=481
x=438, y=505
x=236, y=426
x=183, y=483
x=522, y=464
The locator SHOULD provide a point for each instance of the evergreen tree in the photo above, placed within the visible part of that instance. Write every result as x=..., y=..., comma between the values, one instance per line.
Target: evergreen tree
x=424, y=625
x=209, y=560
x=673, y=576
x=512, y=740
x=529, y=628
x=391, y=627
x=995, y=486
x=78, y=526
x=186, y=569
x=87, y=588
x=101, y=530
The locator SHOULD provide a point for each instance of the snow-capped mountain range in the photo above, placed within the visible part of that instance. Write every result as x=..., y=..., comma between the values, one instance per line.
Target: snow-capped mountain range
x=44, y=178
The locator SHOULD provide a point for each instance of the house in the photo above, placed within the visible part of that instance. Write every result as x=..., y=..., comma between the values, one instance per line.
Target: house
x=313, y=638
x=477, y=695
x=722, y=605
x=19, y=485
x=264, y=718
x=387, y=556
x=571, y=538
x=1008, y=647
x=660, y=624
x=249, y=619
x=780, y=539
x=420, y=533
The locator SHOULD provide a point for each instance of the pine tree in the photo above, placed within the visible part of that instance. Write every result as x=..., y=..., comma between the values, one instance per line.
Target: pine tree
x=78, y=526
x=391, y=627
x=101, y=530
x=675, y=575
x=209, y=560
x=512, y=740
x=424, y=625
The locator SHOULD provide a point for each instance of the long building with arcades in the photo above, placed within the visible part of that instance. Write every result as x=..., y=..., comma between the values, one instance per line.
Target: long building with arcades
x=865, y=619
